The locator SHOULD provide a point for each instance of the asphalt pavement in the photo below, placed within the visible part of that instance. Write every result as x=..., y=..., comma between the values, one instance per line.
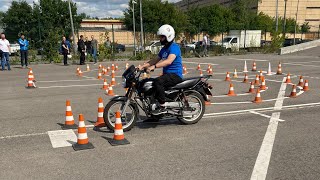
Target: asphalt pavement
x=236, y=139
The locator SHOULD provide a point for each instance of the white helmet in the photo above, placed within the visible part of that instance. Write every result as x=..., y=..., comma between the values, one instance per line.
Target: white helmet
x=167, y=31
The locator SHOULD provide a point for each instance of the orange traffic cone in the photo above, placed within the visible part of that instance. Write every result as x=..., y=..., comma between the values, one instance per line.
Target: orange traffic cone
x=257, y=82
x=108, y=69
x=88, y=68
x=231, y=91
x=110, y=91
x=258, y=98
x=228, y=77
x=235, y=74
x=100, y=121
x=263, y=84
x=207, y=103
x=306, y=86
x=112, y=67
x=113, y=79
x=279, y=71
x=105, y=85
x=300, y=82
x=254, y=66
x=30, y=75
x=99, y=75
x=199, y=67
x=100, y=66
x=116, y=67
x=83, y=140
x=69, y=123
x=260, y=75
x=210, y=70
x=80, y=73
x=288, y=80
x=118, y=138
x=293, y=92
x=201, y=74
x=31, y=80
x=78, y=69
x=251, y=90
x=209, y=67
x=245, y=79
x=185, y=70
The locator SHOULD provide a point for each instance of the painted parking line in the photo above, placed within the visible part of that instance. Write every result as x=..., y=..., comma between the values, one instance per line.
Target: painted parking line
x=248, y=59
x=69, y=86
x=190, y=62
x=294, y=64
x=70, y=80
x=262, y=163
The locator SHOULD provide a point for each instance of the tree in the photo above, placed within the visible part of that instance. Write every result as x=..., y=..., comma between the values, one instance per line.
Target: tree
x=155, y=13
x=17, y=20
x=305, y=28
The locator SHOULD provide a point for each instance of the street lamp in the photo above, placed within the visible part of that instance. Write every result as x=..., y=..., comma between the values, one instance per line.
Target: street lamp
x=277, y=16
x=141, y=24
x=284, y=17
x=134, y=29
x=295, y=25
x=74, y=38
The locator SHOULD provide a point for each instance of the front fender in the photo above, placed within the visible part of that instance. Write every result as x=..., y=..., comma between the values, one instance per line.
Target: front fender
x=119, y=98
x=124, y=98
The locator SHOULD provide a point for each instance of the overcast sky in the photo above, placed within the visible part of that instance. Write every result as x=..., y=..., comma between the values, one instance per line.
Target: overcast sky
x=94, y=8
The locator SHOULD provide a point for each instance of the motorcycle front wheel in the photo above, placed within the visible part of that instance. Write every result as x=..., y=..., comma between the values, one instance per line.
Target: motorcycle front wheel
x=128, y=118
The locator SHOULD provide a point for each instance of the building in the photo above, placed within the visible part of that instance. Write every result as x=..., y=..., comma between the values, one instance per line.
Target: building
x=308, y=10
x=101, y=29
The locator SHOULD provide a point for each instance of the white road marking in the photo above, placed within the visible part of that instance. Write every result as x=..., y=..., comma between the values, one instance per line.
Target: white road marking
x=70, y=86
x=22, y=135
x=264, y=115
x=247, y=59
x=262, y=163
x=199, y=63
x=62, y=138
x=294, y=64
x=71, y=80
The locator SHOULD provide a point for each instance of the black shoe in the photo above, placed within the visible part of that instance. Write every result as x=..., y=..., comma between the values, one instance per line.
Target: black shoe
x=150, y=120
x=160, y=110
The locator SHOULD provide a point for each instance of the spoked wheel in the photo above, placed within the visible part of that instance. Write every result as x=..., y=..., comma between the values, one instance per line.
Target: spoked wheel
x=128, y=118
x=195, y=111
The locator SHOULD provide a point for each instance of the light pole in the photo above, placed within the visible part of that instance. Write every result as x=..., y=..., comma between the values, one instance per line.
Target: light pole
x=295, y=25
x=284, y=18
x=277, y=16
x=134, y=29
x=141, y=24
x=74, y=38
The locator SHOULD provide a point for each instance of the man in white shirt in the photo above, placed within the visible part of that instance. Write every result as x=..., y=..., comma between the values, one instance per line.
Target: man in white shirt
x=205, y=45
x=5, y=48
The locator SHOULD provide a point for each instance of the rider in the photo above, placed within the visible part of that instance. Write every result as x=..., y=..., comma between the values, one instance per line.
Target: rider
x=169, y=58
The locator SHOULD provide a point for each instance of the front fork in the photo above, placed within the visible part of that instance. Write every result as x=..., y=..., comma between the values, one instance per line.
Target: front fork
x=129, y=95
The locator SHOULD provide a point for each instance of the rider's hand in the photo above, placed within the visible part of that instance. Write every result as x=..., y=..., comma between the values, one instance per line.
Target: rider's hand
x=140, y=68
x=151, y=68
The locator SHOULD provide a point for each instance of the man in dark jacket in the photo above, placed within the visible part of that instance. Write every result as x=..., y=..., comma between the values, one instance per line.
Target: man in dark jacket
x=82, y=50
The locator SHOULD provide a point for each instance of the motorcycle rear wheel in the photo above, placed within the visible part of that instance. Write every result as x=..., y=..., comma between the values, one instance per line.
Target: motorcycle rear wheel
x=196, y=101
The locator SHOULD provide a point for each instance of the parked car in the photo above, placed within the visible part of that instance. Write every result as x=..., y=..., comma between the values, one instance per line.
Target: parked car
x=120, y=48
x=154, y=47
x=15, y=49
x=290, y=41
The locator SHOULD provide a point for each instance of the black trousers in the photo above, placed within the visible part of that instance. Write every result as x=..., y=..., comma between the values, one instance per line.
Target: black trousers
x=82, y=57
x=65, y=58
x=163, y=82
x=24, y=57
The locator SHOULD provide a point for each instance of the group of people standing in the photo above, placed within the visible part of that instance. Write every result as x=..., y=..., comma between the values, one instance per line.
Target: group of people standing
x=87, y=47
x=5, y=51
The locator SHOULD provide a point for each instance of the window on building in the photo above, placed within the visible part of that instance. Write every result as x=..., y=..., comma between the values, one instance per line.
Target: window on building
x=313, y=7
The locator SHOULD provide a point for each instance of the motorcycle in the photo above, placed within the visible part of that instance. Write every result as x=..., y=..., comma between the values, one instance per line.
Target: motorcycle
x=185, y=100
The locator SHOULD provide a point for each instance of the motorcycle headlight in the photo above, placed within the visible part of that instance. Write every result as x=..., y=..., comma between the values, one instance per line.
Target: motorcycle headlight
x=124, y=82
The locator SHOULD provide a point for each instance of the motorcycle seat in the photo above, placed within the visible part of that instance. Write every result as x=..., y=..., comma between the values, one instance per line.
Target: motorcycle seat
x=186, y=83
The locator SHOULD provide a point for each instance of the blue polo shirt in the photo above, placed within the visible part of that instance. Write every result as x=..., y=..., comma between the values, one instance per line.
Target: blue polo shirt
x=176, y=66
